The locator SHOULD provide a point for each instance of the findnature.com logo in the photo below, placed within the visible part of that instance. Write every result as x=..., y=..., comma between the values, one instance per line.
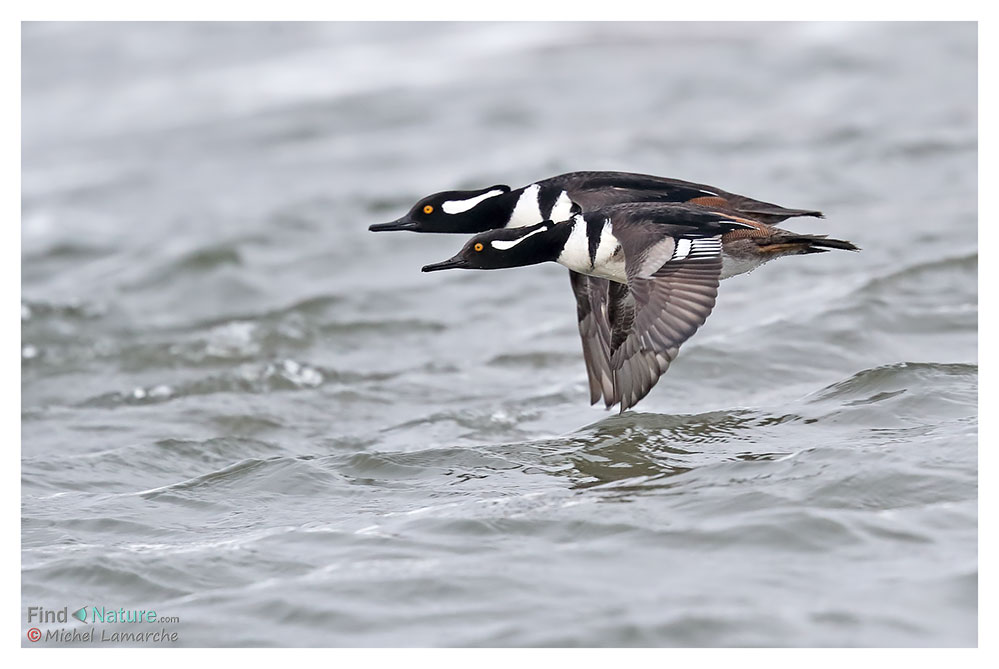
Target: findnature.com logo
x=98, y=615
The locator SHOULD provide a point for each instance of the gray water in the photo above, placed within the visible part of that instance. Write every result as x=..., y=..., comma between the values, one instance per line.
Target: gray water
x=243, y=410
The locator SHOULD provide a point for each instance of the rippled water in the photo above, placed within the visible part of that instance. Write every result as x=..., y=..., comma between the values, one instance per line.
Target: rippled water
x=242, y=409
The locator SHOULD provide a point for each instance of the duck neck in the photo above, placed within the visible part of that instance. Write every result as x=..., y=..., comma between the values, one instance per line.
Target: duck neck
x=547, y=246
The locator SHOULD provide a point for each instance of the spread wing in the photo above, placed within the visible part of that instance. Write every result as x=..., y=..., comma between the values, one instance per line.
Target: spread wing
x=632, y=332
x=660, y=313
x=598, y=303
x=594, y=330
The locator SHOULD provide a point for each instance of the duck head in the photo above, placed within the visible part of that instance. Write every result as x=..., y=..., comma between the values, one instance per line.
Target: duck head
x=456, y=211
x=509, y=247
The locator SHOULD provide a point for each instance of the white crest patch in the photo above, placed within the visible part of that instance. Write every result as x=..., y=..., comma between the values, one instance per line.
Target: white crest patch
x=527, y=211
x=502, y=245
x=461, y=206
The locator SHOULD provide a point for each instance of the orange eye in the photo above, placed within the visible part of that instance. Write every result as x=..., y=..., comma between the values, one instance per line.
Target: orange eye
x=478, y=247
x=429, y=209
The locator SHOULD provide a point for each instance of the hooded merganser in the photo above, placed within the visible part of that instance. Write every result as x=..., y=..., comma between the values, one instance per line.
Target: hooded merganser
x=602, y=302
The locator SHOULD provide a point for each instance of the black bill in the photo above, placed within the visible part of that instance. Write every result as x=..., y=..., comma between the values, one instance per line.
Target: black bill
x=454, y=263
x=403, y=223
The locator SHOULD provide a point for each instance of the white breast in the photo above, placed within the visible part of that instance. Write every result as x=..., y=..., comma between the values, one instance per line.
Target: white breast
x=562, y=209
x=527, y=210
x=608, y=261
x=576, y=253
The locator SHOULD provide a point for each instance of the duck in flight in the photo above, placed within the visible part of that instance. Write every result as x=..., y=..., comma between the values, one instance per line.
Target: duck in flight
x=609, y=229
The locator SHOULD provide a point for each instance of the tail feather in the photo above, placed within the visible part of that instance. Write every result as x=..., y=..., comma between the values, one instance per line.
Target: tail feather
x=823, y=242
x=764, y=212
x=806, y=244
x=780, y=213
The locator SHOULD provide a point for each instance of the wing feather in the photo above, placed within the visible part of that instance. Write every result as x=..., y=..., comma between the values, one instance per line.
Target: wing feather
x=667, y=309
x=598, y=189
x=592, y=297
x=632, y=332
